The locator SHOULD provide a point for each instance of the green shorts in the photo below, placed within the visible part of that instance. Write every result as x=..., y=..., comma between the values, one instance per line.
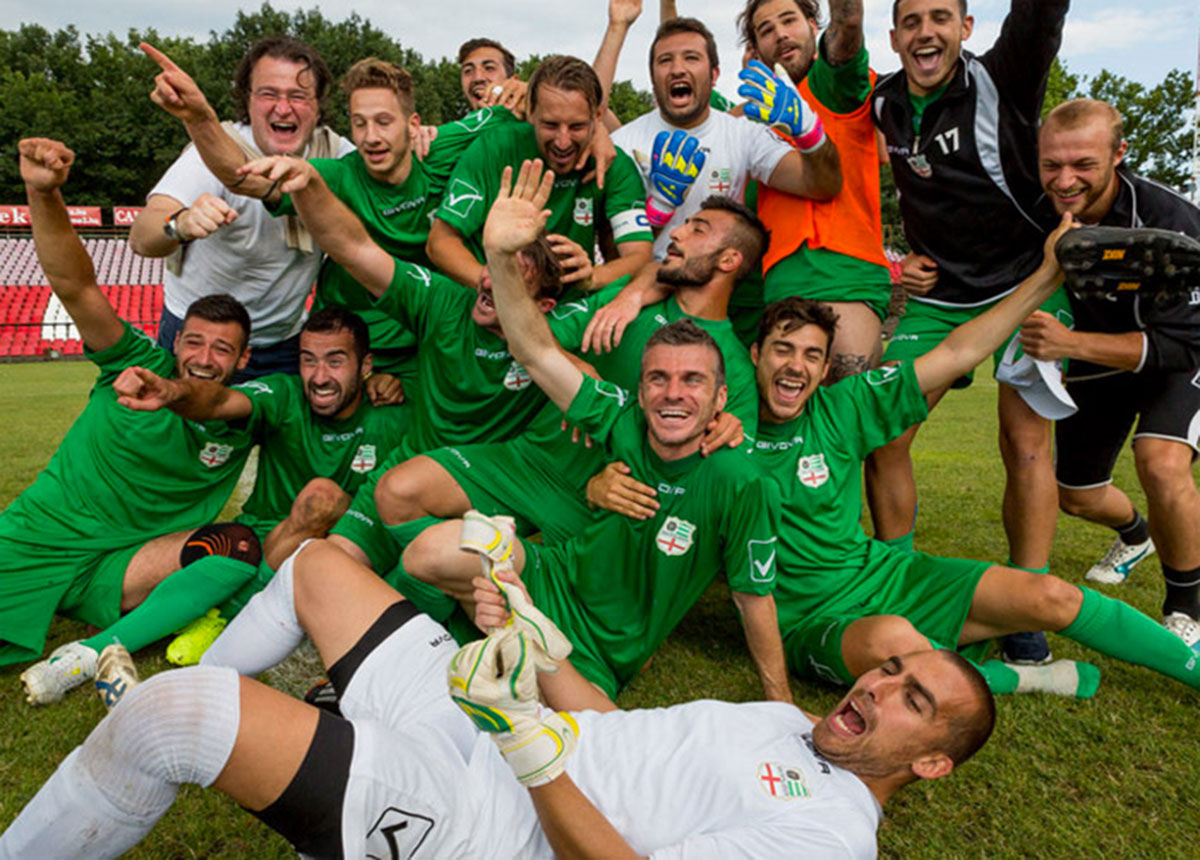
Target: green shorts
x=933, y=593
x=362, y=525
x=827, y=276
x=547, y=577
x=516, y=478
x=37, y=581
x=925, y=325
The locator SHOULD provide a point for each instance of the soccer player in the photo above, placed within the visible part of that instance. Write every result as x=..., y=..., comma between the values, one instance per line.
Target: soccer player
x=392, y=193
x=847, y=602
x=406, y=771
x=473, y=388
x=684, y=68
x=541, y=476
x=488, y=72
x=118, y=517
x=564, y=114
x=218, y=240
x=827, y=250
x=620, y=587
x=961, y=134
x=1130, y=355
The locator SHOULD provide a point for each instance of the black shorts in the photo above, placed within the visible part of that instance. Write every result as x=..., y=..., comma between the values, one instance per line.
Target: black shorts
x=1166, y=406
x=309, y=811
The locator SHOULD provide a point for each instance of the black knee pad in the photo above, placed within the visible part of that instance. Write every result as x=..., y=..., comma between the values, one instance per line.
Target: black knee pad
x=233, y=540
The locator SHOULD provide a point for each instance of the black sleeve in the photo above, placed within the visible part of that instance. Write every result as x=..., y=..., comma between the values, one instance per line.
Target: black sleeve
x=1020, y=59
x=1173, y=333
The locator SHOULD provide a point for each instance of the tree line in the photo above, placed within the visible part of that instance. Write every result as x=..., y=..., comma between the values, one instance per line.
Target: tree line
x=93, y=92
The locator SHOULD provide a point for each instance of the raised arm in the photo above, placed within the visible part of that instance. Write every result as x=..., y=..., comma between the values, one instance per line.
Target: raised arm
x=971, y=342
x=45, y=165
x=176, y=93
x=621, y=15
x=144, y=390
x=573, y=824
x=843, y=37
x=516, y=219
x=336, y=229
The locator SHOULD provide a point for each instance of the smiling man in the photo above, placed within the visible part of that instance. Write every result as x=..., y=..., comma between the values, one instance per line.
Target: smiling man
x=962, y=139
x=565, y=99
x=620, y=587
x=217, y=240
x=391, y=192
x=118, y=511
x=847, y=603
x=1132, y=355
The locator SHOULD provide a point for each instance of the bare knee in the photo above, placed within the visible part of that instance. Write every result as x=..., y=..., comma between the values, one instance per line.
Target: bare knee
x=319, y=506
x=1164, y=470
x=1078, y=503
x=1055, y=602
x=433, y=556
x=417, y=488
x=868, y=642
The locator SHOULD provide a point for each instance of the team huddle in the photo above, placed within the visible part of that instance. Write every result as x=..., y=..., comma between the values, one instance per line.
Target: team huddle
x=559, y=375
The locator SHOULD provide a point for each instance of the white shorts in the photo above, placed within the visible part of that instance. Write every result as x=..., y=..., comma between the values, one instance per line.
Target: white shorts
x=423, y=781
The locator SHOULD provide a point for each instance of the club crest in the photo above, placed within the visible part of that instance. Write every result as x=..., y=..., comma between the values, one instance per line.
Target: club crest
x=719, y=181
x=675, y=536
x=517, y=378
x=583, y=213
x=215, y=454
x=782, y=782
x=812, y=470
x=364, y=459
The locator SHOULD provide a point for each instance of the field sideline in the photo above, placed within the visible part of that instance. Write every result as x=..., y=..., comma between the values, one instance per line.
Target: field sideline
x=1116, y=776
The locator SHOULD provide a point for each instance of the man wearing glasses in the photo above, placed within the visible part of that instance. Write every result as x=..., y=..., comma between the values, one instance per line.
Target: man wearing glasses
x=268, y=264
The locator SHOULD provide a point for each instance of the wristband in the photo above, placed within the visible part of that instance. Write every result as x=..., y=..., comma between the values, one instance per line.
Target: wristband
x=812, y=139
x=656, y=216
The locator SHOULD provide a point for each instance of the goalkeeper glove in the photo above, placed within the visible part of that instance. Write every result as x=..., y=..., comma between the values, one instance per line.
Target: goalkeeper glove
x=675, y=162
x=492, y=538
x=774, y=101
x=494, y=681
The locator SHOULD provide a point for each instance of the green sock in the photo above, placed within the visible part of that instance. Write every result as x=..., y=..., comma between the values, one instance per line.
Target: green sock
x=183, y=596
x=904, y=543
x=251, y=587
x=1062, y=677
x=1118, y=630
x=406, y=533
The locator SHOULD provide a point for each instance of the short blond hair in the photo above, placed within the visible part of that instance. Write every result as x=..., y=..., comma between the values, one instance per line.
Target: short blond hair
x=376, y=74
x=1079, y=112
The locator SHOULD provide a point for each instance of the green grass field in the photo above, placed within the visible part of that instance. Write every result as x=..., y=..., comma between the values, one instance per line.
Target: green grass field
x=1115, y=776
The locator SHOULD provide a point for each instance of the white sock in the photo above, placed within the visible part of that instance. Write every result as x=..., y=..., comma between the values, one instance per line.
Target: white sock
x=265, y=632
x=1062, y=677
x=177, y=727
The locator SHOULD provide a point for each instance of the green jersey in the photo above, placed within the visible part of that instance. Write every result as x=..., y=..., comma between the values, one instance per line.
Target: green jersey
x=624, y=584
x=122, y=477
x=574, y=205
x=473, y=389
x=817, y=459
x=397, y=217
x=299, y=445
x=623, y=365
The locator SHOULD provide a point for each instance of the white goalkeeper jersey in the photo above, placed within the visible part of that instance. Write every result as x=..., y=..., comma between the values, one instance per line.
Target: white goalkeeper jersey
x=718, y=780
x=735, y=149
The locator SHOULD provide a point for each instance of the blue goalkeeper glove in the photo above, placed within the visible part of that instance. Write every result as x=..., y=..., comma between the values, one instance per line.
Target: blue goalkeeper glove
x=774, y=101
x=675, y=162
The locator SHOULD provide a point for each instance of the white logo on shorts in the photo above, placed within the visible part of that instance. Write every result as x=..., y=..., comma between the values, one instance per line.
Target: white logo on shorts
x=397, y=835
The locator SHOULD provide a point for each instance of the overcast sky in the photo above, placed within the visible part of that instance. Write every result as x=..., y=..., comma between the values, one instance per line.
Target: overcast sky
x=1140, y=43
